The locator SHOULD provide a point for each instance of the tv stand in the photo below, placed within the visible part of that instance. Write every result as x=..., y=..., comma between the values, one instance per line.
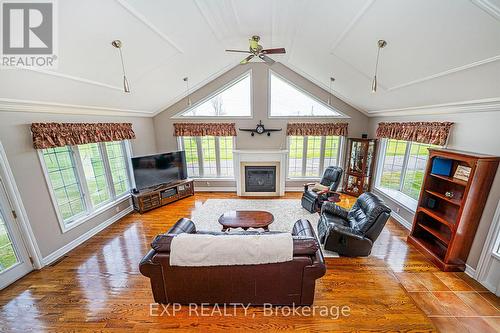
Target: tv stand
x=162, y=195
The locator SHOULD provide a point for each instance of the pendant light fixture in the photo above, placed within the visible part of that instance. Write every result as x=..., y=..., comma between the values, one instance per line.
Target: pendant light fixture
x=187, y=90
x=332, y=79
x=118, y=44
x=381, y=44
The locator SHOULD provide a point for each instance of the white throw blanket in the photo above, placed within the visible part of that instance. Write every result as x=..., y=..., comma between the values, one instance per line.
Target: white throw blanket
x=224, y=250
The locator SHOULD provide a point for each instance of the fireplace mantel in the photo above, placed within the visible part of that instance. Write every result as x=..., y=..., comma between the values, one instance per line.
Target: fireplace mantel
x=262, y=157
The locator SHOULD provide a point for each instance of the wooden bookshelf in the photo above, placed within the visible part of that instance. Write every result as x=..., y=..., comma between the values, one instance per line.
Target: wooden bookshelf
x=444, y=232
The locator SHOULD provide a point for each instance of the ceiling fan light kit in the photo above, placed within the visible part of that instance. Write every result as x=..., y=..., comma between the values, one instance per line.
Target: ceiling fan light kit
x=118, y=44
x=380, y=44
x=256, y=50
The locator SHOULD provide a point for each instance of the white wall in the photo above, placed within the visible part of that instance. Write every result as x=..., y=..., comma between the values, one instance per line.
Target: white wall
x=163, y=122
x=476, y=132
x=15, y=136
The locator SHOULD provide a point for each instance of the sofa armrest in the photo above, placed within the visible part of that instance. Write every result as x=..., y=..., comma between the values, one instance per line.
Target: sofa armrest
x=303, y=228
x=161, y=243
x=334, y=209
x=147, y=266
x=181, y=226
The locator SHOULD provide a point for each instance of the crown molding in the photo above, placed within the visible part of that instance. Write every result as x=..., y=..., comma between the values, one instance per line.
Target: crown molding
x=483, y=105
x=14, y=105
x=488, y=7
x=128, y=7
x=73, y=78
x=447, y=72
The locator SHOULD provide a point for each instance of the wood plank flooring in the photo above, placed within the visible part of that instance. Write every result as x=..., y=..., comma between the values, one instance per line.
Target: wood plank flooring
x=97, y=288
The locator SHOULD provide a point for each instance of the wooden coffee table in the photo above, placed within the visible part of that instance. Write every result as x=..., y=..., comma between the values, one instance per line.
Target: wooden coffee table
x=246, y=219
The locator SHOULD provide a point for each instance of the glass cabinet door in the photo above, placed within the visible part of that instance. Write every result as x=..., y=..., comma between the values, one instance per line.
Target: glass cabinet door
x=357, y=157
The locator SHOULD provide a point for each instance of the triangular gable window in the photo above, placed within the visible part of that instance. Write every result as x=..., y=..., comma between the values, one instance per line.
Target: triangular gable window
x=232, y=100
x=290, y=101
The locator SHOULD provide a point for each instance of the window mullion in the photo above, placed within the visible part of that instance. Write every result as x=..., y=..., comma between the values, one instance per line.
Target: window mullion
x=200, y=155
x=127, y=153
x=217, y=156
x=107, y=170
x=81, y=178
x=405, y=166
x=304, y=156
x=322, y=155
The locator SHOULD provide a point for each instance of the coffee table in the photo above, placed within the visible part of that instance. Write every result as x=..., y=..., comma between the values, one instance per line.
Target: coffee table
x=246, y=219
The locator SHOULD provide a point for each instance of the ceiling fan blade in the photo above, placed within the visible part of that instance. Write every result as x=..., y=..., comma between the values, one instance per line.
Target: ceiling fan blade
x=274, y=51
x=238, y=51
x=268, y=60
x=247, y=59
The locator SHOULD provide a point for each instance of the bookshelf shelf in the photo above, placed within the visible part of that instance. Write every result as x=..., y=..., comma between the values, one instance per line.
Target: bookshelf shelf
x=443, y=227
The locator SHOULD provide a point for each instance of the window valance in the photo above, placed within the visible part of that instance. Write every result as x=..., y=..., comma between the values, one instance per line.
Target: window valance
x=50, y=135
x=316, y=129
x=435, y=133
x=204, y=129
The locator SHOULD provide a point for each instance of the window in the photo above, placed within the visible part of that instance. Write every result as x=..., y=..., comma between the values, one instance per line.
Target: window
x=403, y=166
x=231, y=101
x=290, y=101
x=309, y=156
x=64, y=181
x=208, y=156
x=85, y=177
x=93, y=169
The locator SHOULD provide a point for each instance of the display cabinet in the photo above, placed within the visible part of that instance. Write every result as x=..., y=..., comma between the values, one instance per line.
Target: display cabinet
x=359, y=165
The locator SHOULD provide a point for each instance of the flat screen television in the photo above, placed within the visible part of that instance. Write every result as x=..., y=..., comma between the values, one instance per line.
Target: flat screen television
x=154, y=170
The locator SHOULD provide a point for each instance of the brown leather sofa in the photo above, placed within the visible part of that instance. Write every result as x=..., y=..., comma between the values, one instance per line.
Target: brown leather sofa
x=285, y=283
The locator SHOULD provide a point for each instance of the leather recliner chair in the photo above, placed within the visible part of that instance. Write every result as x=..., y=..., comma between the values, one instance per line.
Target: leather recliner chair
x=352, y=233
x=311, y=200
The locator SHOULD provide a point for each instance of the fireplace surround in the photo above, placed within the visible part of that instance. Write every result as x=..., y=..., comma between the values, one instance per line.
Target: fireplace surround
x=261, y=163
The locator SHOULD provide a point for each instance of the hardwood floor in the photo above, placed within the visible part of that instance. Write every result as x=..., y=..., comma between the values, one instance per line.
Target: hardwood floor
x=98, y=288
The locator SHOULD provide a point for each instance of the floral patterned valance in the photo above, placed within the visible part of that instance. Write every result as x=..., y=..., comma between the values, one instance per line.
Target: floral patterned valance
x=317, y=129
x=204, y=129
x=435, y=133
x=50, y=135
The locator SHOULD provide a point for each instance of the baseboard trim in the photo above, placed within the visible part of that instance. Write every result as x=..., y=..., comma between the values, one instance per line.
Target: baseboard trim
x=470, y=271
x=214, y=188
x=401, y=220
x=84, y=237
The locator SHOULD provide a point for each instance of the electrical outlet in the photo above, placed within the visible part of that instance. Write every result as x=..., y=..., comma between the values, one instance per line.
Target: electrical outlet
x=208, y=183
x=117, y=208
x=398, y=209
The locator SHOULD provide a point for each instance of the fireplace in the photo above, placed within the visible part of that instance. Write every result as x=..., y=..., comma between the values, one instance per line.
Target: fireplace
x=260, y=173
x=260, y=178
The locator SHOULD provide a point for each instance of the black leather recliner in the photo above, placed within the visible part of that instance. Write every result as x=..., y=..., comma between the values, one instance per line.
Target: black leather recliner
x=352, y=233
x=311, y=200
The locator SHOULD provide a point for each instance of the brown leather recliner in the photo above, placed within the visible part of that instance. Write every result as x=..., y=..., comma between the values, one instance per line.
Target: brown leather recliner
x=285, y=283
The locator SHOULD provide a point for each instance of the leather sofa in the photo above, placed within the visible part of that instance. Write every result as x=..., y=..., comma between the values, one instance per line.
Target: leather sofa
x=284, y=283
x=312, y=200
x=352, y=233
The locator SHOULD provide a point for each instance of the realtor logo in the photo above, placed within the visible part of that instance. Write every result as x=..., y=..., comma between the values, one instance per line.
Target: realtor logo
x=28, y=34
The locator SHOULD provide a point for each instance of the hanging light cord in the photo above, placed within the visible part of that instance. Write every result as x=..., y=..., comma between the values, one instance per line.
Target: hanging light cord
x=121, y=57
x=376, y=64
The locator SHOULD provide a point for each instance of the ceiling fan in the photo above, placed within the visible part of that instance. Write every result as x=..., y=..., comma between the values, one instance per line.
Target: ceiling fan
x=257, y=50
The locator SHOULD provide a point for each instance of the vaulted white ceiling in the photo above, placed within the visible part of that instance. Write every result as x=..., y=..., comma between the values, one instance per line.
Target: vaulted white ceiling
x=441, y=54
